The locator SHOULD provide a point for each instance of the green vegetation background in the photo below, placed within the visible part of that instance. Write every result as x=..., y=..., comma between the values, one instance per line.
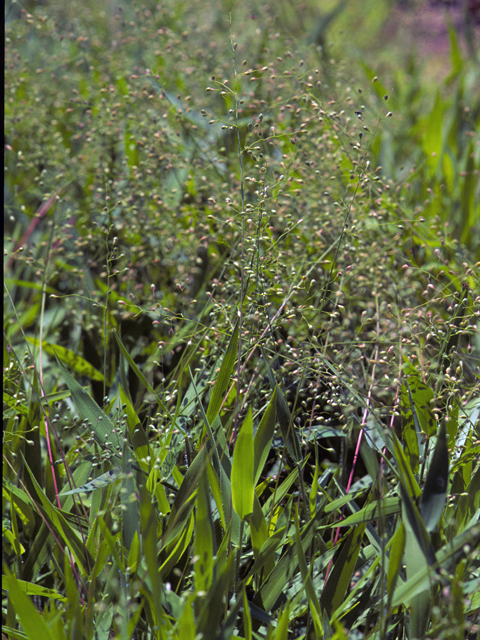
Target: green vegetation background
x=241, y=312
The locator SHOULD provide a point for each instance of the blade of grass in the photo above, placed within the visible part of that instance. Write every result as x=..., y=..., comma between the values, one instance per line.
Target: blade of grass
x=30, y=619
x=242, y=469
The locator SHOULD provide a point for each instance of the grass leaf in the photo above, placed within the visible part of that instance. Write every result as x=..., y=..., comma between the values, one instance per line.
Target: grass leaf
x=242, y=469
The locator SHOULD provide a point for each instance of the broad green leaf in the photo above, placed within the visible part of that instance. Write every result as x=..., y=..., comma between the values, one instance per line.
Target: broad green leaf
x=204, y=546
x=216, y=488
x=103, y=623
x=338, y=503
x=79, y=476
x=414, y=524
x=433, y=138
x=153, y=591
x=99, y=547
x=373, y=511
x=214, y=601
x=21, y=502
x=452, y=426
x=113, y=542
x=37, y=554
x=132, y=418
x=12, y=538
x=129, y=502
x=265, y=555
x=175, y=549
x=258, y=530
x=264, y=436
x=185, y=498
x=30, y=619
x=28, y=284
x=410, y=427
x=395, y=559
x=457, y=595
x=69, y=357
x=242, y=469
x=31, y=589
x=280, y=493
x=281, y=632
x=75, y=615
x=186, y=627
x=156, y=488
x=14, y=405
x=434, y=493
x=247, y=619
x=50, y=398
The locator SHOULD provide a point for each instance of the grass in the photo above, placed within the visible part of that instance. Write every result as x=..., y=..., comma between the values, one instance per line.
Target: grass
x=241, y=349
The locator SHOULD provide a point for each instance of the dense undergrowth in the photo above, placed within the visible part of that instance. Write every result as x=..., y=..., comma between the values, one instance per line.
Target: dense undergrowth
x=241, y=350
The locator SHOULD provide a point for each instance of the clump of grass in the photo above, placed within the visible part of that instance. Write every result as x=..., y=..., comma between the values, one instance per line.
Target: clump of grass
x=233, y=346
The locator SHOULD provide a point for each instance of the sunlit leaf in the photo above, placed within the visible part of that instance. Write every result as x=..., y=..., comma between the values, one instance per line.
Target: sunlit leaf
x=223, y=379
x=30, y=619
x=242, y=469
x=264, y=436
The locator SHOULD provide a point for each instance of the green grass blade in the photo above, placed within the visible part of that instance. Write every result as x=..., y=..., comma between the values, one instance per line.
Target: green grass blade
x=313, y=601
x=395, y=560
x=242, y=469
x=100, y=482
x=259, y=536
x=186, y=626
x=264, y=436
x=434, y=493
x=35, y=626
x=57, y=521
x=185, y=498
x=204, y=543
x=419, y=555
x=373, y=511
x=32, y=589
x=223, y=379
x=283, y=415
x=341, y=575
